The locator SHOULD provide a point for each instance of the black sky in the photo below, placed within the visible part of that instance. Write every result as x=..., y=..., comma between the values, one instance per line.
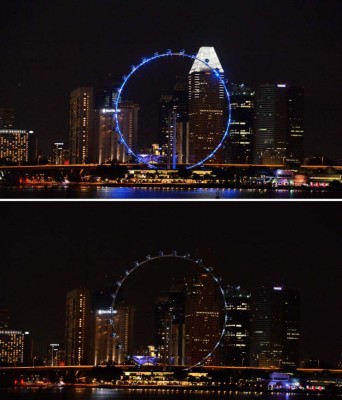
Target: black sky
x=49, y=48
x=49, y=248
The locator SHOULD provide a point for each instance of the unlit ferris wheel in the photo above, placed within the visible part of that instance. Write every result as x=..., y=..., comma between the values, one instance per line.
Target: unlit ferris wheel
x=187, y=257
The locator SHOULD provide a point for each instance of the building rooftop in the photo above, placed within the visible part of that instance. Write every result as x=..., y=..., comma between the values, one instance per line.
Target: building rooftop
x=209, y=55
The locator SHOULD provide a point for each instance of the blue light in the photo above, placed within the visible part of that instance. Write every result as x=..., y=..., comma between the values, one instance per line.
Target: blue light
x=154, y=57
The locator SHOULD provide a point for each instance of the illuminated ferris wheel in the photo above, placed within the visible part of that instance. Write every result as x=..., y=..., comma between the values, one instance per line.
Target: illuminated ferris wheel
x=175, y=255
x=146, y=60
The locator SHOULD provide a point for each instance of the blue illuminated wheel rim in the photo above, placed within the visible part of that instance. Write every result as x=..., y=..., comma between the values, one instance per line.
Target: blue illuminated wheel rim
x=174, y=254
x=146, y=60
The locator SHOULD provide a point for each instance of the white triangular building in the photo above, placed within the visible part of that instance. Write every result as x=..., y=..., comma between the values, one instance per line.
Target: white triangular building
x=207, y=54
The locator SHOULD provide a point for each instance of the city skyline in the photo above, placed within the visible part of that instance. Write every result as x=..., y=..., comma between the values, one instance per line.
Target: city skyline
x=93, y=247
x=253, y=41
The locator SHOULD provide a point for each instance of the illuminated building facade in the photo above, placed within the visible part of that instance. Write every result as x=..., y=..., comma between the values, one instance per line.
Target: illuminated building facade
x=207, y=108
x=108, y=140
x=175, y=101
x=128, y=122
x=238, y=148
x=60, y=154
x=235, y=343
x=271, y=124
x=177, y=310
x=83, y=147
x=104, y=343
x=275, y=327
x=11, y=348
x=170, y=327
x=54, y=355
x=14, y=145
x=163, y=328
x=279, y=122
x=76, y=327
x=124, y=329
x=202, y=318
x=295, y=132
x=109, y=148
x=6, y=118
x=105, y=125
x=111, y=330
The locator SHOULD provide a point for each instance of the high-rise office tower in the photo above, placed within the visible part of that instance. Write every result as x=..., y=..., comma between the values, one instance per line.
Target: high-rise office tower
x=163, y=322
x=102, y=343
x=279, y=124
x=11, y=347
x=53, y=355
x=177, y=309
x=14, y=145
x=128, y=122
x=6, y=118
x=170, y=328
x=295, y=131
x=59, y=153
x=203, y=318
x=105, y=124
x=124, y=330
x=83, y=141
x=77, y=327
x=238, y=148
x=175, y=101
x=103, y=346
x=207, y=108
x=109, y=148
x=235, y=343
x=275, y=327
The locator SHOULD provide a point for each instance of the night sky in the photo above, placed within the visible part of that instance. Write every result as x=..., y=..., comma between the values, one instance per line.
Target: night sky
x=49, y=48
x=49, y=248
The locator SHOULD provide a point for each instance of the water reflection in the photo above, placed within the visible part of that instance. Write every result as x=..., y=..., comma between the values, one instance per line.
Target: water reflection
x=158, y=193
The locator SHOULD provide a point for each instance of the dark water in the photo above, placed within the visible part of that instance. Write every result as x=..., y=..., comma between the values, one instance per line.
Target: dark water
x=151, y=193
x=141, y=394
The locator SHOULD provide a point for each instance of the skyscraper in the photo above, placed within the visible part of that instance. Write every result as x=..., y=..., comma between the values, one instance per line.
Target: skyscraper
x=124, y=329
x=279, y=124
x=207, y=107
x=14, y=145
x=109, y=148
x=235, y=343
x=128, y=122
x=203, y=322
x=11, y=347
x=238, y=147
x=175, y=101
x=275, y=327
x=59, y=153
x=163, y=322
x=169, y=324
x=77, y=327
x=295, y=132
x=83, y=142
x=102, y=343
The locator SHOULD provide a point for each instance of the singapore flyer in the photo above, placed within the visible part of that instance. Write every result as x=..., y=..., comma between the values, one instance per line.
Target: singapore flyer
x=220, y=137
x=207, y=272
